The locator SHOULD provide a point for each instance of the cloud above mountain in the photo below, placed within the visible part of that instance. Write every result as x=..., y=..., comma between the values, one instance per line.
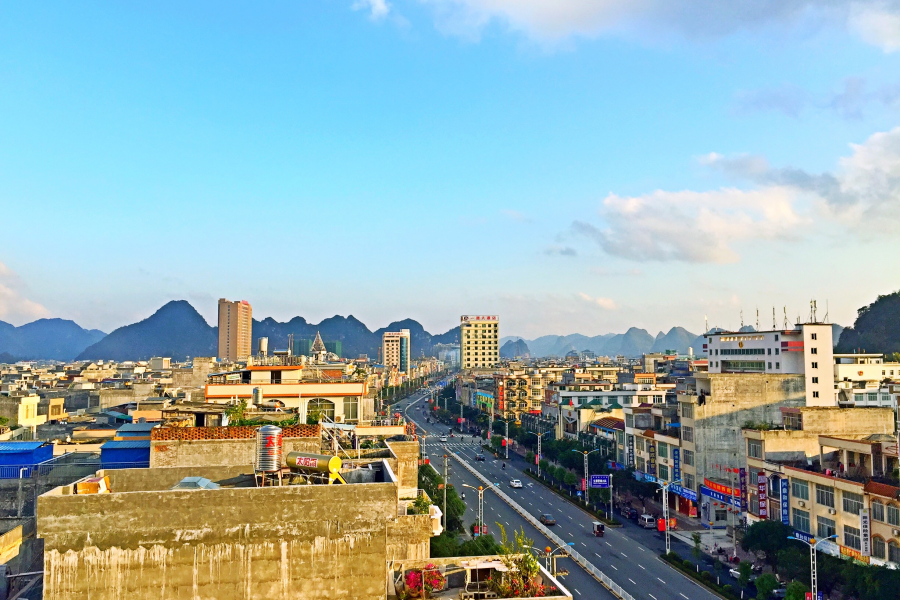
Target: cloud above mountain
x=15, y=306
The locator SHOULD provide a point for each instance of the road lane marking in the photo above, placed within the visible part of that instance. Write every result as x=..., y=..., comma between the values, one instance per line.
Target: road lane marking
x=625, y=555
x=597, y=555
x=583, y=544
x=576, y=591
x=683, y=596
x=632, y=581
x=608, y=544
x=641, y=566
x=662, y=581
x=652, y=596
x=614, y=567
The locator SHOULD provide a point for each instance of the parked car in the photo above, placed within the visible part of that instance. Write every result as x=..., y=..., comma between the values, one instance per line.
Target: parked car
x=737, y=574
x=629, y=512
x=547, y=520
x=515, y=483
x=479, y=457
x=647, y=521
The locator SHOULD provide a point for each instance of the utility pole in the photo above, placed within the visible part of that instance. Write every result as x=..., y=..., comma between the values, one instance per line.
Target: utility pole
x=446, y=483
x=507, y=439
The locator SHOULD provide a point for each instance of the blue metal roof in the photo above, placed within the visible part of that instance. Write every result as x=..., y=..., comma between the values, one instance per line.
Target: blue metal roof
x=125, y=445
x=137, y=427
x=20, y=446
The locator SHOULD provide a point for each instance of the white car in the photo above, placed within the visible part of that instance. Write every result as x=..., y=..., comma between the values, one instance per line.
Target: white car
x=515, y=483
x=443, y=439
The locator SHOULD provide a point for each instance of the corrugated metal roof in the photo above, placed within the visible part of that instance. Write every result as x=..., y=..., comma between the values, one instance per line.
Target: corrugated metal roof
x=20, y=446
x=125, y=445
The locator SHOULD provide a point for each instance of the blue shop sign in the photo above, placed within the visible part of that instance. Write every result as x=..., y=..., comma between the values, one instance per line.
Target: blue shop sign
x=705, y=491
x=684, y=492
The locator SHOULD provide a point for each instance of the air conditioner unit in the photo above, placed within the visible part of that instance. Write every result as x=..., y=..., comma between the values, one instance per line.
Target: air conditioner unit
x=802, y=504
x=338, y=418
x=895, y=532
x=831, y=511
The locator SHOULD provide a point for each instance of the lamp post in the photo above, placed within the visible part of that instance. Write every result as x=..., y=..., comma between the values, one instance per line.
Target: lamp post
x=813, y=543
x=506, y=445
x=539, y=456
x=480, y=519
x=586, y=478
x=548, y=556
x=665, y=492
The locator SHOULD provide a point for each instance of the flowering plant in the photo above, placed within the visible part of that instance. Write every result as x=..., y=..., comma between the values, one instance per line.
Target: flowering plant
x=433, y=579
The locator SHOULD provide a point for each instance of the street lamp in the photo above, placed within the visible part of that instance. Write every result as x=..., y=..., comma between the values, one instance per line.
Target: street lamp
x=539, y=456
x=550, y=560
x=813, y=543
x=665, y=500
x=480, y=489
x=586, y=478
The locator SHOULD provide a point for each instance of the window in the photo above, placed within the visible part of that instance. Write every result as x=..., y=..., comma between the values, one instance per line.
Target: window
x=851, y=537
x=815, y=394
x=893, y=515
x=801, y=520
x=776, y=337
x=687, y=410
x=641, y=464
x=825, y=495
x=662, y=449
x=878, y=511
x=877, y=547
x=351, y=407
x=629, y=420
x=853, y=503
x=813, y=351
x=689, y=481
x=813, y=336
x=687, y=457
x=893, y=552
x=815, y=380
x=687, y=434
x=639, y=443
x=777, y=365
x=815, y=365
x=770, y=352
x=824, y=527
x=663, y=472
x=800, y=489
x=754, y=448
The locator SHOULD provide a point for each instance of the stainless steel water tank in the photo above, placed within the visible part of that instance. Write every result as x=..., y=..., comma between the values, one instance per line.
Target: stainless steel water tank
x=268, y=449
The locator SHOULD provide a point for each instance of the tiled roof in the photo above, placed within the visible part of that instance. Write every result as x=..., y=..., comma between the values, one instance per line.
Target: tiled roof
x=609, y=423
x=882, y=489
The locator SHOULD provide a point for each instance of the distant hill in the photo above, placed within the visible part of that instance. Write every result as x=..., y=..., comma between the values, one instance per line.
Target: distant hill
x=632, y=343
x=177, y=330
x=515, y=349
x=877, y=328
x=48, y=339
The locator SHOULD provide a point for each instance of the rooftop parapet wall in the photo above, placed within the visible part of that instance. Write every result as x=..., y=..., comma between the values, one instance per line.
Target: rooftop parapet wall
x=229, y=433
x=406, y=467
x=272, y=543
x=203, y=446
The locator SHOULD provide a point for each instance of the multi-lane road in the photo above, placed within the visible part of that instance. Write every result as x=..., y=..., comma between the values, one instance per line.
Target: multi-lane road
x=629, y=556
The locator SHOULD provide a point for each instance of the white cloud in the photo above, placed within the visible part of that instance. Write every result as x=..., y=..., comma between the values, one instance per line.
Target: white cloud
x=878, y=25
x=378, y=9
x=875, y=20
x=14, y=306
x=605, y=303
x=692, y=226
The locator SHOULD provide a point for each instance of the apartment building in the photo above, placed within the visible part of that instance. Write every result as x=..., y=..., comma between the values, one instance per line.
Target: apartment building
x=844, y=492
x=806, y=350
x=235, y=329
x=395, y=350
x=479, y=338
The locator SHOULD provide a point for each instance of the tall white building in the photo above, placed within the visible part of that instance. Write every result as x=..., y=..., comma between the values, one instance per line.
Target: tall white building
x=395, y=349
x=479, y=341
x=807, y=350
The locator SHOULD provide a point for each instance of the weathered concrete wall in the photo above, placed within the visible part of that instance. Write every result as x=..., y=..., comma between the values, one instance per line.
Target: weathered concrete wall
x=409, y=538
x=187, y=453
x=734, y=400
x=405, y=466
x=147, y=480
x=256, y=543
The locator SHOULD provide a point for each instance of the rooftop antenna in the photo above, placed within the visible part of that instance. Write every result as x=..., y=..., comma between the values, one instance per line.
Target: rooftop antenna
x=785, y=318
x=774, y=322
x=757, y=319
x=742, y=318
x=826, y=311
x=706, y=322
x=812, y=311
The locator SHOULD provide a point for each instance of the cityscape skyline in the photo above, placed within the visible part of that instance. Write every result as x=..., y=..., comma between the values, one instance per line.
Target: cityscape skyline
x=576, y=167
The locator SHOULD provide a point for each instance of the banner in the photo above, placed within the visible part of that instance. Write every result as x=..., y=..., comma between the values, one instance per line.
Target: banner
x=742, y=474
x=676, y=464
x=651, y=464
x=761, y=485
x=865, y=533
x=785, y=509
x=630, y=439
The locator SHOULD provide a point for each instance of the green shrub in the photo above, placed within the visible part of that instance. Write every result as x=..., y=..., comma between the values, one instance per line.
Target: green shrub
x=688, y=565
x=705, y=575
x=727, y=588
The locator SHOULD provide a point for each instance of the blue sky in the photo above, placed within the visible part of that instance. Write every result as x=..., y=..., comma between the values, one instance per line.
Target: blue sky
x=575, y=166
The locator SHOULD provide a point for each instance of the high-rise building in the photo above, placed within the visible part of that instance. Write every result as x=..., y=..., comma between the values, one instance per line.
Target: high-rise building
x=479, y=339
x=395, y=349
x=235, y=329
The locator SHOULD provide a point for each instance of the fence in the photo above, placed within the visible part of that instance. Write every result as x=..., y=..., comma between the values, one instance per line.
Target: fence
x=583, y=562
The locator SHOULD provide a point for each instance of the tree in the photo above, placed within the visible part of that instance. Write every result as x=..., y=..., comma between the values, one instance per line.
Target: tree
x=796, y=590
x=569, y=478
x=745, y=570
x=793, y=563
x=765, y=585
x=768, y=537
x=529, y=457
x=696, y=550
x=544, y=464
